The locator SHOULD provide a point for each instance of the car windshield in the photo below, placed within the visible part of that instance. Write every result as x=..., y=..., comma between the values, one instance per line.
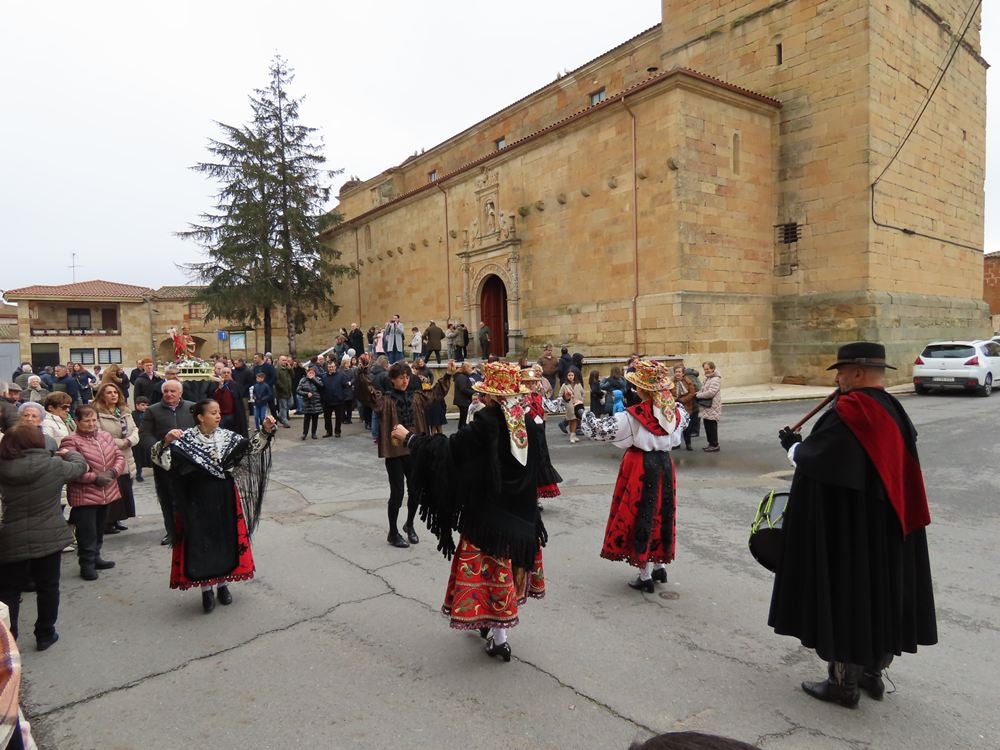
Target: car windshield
x=947, y=351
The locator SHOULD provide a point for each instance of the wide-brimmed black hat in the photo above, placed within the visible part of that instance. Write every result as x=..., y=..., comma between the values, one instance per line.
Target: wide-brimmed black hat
x=863, y=353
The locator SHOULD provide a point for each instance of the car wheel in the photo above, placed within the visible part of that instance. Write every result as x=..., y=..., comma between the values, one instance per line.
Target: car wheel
x=987, y=387
x=921, y=390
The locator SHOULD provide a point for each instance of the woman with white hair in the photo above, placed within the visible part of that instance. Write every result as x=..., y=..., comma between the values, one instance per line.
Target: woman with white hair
x=34, y=391
x=31, y=412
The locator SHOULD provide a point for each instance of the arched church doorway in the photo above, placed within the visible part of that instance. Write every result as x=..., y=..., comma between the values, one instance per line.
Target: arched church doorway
x=493, y=310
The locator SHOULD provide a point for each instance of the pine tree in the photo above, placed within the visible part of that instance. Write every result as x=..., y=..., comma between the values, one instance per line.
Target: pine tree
x=263, y=238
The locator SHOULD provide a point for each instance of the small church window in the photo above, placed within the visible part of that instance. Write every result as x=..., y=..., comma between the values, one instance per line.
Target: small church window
x=778, y=54
x=432, y=175
x=500, y=143
x=596, y=97
x=736, y=153
x=368, y=237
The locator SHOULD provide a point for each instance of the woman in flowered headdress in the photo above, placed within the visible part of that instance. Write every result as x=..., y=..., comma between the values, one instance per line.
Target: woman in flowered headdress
x=641, y=525
x=482, y=481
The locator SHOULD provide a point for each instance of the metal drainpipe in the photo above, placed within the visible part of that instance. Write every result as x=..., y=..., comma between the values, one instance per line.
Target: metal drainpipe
x=357, y=261
x=635, y=232
x=447, y=249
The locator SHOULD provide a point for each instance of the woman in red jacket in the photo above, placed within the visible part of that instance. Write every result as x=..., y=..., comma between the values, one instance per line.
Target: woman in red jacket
x=90, y=495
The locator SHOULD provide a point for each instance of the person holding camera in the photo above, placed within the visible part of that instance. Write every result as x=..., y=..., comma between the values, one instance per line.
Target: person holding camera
x=392, y=339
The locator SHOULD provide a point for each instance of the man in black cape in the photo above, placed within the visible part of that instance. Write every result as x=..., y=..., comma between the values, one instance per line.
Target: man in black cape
x=854, y=581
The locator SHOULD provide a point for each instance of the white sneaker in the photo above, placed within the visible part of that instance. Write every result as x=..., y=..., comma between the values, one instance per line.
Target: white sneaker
x=572, y=438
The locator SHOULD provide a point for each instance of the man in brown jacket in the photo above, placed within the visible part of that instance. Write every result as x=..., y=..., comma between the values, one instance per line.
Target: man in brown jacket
x=408, y=407
x=549, y=364
x=433, y=337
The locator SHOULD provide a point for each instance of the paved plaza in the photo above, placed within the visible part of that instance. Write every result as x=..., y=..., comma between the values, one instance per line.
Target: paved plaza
x=338, y=642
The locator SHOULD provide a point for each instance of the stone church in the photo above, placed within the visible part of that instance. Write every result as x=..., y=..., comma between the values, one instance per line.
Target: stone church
x=739, y=183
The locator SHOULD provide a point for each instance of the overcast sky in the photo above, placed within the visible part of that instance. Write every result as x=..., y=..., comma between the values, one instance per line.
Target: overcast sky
x=107, y=104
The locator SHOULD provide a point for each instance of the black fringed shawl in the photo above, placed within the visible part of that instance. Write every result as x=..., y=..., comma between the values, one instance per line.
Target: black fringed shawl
x=469, y=482
x=248, y=462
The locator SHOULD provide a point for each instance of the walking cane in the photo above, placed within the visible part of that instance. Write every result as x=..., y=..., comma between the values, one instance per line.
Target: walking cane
x=814, y=411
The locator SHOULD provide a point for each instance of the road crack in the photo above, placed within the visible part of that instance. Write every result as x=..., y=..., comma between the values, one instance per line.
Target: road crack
x=194, y=660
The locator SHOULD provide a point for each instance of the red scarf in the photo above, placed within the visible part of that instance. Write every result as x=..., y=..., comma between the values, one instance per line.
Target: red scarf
x=880, y=436
x=643, y=412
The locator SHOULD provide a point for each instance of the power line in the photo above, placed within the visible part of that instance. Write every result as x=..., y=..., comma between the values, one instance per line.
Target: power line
x=942, y=70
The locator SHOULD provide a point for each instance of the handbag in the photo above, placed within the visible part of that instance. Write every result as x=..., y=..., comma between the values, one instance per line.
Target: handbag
x=704, y=403
x=766, y=535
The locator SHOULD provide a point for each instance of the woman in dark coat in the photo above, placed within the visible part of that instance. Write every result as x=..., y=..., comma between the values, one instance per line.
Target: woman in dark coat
x=463, y=393
x=216, y=481
x=309, y=390
x=34, y=531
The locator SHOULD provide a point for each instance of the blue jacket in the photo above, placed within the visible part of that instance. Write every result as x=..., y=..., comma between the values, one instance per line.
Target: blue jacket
x=68, y=384
x=270, y=374
x=335, y=389
x=262, y=393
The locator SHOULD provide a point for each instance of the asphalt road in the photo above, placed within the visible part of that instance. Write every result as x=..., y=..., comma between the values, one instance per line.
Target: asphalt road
x=338, y=642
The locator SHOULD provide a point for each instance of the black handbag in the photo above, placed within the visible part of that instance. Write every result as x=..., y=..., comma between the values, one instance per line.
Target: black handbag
x=703, y=403
x=766, y=538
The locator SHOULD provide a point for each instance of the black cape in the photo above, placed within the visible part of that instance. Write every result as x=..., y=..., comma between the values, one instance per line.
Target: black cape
x=469, y=482
x=849, y=585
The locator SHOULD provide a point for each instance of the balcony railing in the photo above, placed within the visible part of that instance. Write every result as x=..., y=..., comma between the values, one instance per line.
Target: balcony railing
x=75, y=332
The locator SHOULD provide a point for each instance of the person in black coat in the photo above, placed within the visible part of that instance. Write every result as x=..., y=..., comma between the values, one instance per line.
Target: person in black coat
x=463, y=393
x=166, y=419
x=334, y=395
x=148, y=383
x=854, y=579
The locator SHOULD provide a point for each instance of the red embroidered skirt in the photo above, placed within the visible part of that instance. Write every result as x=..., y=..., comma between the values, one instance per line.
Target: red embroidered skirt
x=244, y=569
x=624, y=518
x=484, y=592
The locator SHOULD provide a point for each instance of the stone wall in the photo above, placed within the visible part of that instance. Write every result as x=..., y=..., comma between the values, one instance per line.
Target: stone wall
x=613, y=71
x=851, y=74
x=703, y=246
x=687, y=243
x=808, y=330
x=991, y=286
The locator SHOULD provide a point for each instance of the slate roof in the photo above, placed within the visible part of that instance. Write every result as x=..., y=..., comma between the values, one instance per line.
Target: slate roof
x=177, y=292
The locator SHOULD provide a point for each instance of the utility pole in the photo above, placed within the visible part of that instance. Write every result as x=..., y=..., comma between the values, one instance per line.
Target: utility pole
x=73, y=265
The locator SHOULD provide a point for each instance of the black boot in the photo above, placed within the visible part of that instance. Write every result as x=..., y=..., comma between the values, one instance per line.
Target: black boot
x=208, y=600
x=660, y=575
x=841, y=686
x=873, y=684
x=411, y=535
x=225, y=597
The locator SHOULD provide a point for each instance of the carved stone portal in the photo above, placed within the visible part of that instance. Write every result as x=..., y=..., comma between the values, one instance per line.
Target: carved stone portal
x=500, y=259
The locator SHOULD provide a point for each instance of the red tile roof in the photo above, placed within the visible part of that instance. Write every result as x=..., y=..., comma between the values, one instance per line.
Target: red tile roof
x=94, y=289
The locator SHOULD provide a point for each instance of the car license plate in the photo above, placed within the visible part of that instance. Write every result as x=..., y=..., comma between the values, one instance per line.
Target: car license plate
x=943, y=380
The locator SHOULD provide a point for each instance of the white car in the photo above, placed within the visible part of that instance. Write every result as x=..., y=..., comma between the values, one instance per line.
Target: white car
x=967, y=365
